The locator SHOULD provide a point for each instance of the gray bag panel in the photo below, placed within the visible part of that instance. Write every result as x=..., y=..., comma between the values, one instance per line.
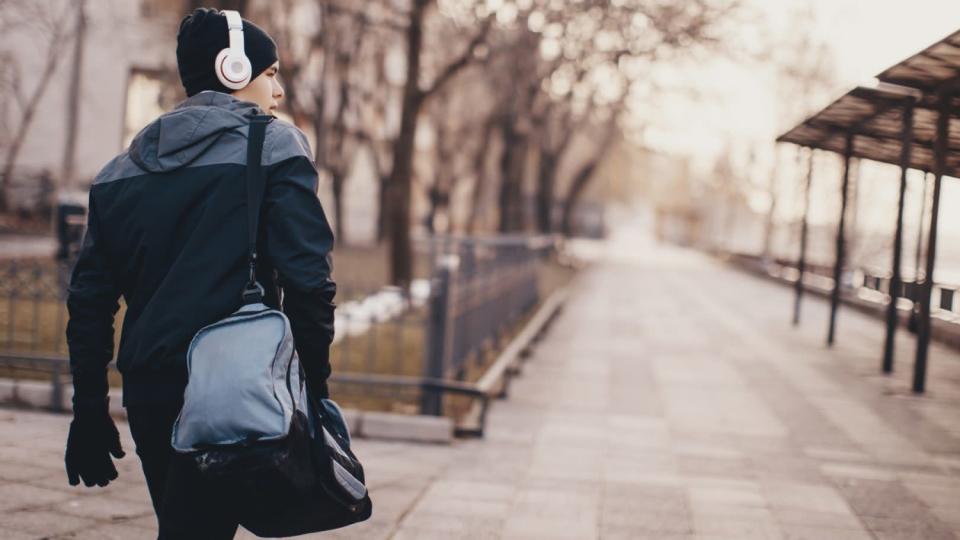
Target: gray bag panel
x=347, y=481
x=238, y=381
x=353, y=486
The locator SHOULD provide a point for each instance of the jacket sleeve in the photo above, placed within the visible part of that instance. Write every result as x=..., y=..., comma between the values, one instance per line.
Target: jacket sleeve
x=92, y=303
x=299, y=244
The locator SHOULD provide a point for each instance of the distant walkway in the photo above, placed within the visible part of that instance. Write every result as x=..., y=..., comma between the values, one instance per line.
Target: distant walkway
x=671, y=400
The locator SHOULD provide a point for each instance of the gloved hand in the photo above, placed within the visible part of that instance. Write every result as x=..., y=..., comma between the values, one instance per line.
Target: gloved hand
x=318, y=390
x=92, y=440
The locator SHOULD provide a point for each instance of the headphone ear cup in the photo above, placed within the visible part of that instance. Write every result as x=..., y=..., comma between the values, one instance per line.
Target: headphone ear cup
x=233, y=69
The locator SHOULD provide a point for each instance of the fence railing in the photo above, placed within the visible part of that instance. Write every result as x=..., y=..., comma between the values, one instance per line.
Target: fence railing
x=861, y=281
x=406, y=351
x=32, y=305
x=481, y=288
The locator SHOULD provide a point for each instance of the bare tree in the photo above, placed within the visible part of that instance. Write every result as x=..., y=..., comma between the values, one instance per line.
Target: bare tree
x=335, y=81
x=462, y=133
x=479, y=172
x=586, y=172
x=50, y=20
x=342, y=38
x=580, y=61
x=530, y=113
x=415, y=94
x=520, y=80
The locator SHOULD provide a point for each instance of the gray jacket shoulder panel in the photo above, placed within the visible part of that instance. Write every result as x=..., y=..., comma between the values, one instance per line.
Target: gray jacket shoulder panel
x=230, y=148
x=284, y=141
x=117, y=168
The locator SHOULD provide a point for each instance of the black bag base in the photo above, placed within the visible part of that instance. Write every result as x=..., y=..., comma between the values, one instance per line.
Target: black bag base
x=279, y=519
x=280, y=512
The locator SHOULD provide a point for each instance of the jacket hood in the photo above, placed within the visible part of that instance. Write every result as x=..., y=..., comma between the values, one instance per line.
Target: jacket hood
x=182, y=135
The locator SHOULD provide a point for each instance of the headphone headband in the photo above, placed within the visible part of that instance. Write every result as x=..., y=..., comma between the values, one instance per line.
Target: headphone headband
x=235, y=29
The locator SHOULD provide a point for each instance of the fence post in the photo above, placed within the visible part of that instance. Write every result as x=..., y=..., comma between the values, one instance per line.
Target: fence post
x=439, y=334
x=56, y=394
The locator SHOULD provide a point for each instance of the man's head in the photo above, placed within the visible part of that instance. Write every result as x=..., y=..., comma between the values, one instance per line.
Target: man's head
x=203, y=34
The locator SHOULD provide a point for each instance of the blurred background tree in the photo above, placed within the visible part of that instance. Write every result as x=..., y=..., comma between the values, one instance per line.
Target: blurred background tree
x=51, y=23
x=460, y=116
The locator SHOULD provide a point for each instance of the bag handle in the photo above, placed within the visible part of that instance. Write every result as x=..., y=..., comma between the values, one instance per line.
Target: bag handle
x=256, y=184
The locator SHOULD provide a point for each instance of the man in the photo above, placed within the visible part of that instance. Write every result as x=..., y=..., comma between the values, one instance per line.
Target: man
x=167, y=231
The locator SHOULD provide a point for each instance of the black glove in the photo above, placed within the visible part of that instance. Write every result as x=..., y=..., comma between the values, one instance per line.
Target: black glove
x=318, y=390
x=92, y=440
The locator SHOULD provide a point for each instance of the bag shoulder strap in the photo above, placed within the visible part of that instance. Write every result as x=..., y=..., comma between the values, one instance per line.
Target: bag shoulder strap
x=256, y=184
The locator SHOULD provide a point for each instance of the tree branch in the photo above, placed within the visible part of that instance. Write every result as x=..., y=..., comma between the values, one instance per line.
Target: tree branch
x=461, y=62
x=365, y=19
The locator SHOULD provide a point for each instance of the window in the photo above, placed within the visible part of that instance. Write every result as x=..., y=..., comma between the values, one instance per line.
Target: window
x=150, y=93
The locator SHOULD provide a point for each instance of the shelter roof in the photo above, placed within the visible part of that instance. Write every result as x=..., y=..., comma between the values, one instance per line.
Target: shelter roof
x=874, y=116
x=936, y=67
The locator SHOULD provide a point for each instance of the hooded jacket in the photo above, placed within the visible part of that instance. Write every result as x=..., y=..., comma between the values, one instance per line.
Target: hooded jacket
x=167, y=231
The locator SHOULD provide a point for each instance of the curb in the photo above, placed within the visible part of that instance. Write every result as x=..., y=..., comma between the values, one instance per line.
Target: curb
x=495, y=382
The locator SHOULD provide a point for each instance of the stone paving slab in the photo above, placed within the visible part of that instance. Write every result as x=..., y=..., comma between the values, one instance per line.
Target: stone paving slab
x=671, y=399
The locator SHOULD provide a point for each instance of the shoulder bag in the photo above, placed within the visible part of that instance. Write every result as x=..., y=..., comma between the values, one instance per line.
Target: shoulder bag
x=247, y=418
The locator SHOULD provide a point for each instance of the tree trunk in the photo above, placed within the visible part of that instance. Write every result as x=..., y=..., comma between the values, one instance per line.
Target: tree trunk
x=319, y=133
x=511, y=178
x=582, y=179
x=546, y=179
x=401, y=176
x=382, y=178
x=382, y=208
x=435, y=193
x=336, y=178
x=580, y=182
x=339, y=164
x=479, y=174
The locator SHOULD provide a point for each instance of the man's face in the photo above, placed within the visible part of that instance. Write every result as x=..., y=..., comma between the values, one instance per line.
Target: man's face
x=265, y=90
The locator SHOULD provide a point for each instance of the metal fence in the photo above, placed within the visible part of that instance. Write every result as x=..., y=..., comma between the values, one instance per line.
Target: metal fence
x=400, y=350
x=869, y=283
x=481, y=289
x=32, y=305
x=944, y=295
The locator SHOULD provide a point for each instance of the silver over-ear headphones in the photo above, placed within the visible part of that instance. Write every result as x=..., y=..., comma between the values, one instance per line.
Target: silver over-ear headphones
x=232, y=65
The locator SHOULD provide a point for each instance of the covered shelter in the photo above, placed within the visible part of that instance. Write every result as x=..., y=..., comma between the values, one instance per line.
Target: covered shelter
x=866, y=123
x=905, y=121
x=935, y=72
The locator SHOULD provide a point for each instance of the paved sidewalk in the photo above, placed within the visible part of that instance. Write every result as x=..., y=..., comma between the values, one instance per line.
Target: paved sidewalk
x=671, y=400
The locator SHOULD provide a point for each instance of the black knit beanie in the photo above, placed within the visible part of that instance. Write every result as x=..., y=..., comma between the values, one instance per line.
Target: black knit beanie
x=203, y=34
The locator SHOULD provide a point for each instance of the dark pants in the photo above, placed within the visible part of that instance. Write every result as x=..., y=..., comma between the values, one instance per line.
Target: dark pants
x=186, y=506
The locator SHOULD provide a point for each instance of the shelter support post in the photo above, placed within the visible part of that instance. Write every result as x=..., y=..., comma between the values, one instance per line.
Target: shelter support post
x=926, y=290
x=914, y=296
x=802, y=261
x=906, y=145
x=923, y=215
x=841, y=236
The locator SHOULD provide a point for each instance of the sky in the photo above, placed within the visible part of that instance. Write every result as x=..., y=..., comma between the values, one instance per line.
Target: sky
x=864, y=37
x=737, y=108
